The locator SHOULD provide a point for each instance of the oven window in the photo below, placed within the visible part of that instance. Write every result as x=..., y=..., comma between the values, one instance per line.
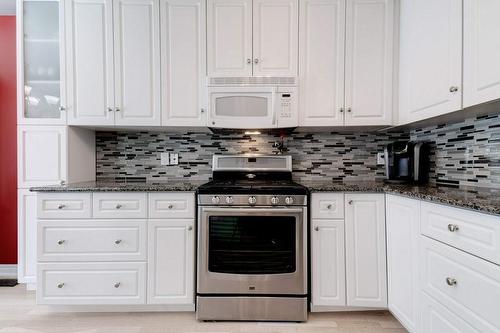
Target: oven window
x=252, y=244
x=241, y=106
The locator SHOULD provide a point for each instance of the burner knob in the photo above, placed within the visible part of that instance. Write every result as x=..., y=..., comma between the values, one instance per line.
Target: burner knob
x=252, y=200
x=275, y=200
x=229, y=200
x=215, y=200
x=289, y=200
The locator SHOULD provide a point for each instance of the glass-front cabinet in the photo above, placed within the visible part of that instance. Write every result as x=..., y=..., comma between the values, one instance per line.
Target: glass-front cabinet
x=41, y=47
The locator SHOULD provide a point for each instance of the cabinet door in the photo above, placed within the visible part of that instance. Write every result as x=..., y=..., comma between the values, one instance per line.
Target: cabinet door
x=183, y=58
x=321, y=70
x=42, y=155
x=369, y=62
x=481, y=51
x=171, y=261
x=275, y=37
x=137, y=62
x=229, y=37
x=41, y=69
x=89, y=59
x=403, y=220
x=365, y=250
x=26, y=236
x=430, y=69
x=328, y=264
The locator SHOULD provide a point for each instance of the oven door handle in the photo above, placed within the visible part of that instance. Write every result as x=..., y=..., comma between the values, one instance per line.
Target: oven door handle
x=253, y=210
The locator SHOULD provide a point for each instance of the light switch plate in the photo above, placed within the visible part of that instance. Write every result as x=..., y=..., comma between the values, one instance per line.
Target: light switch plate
x=164, y=160
x=380, y=159
x=174, y=158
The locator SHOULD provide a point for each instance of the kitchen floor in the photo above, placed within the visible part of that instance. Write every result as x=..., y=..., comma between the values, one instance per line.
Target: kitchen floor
x=19, y=314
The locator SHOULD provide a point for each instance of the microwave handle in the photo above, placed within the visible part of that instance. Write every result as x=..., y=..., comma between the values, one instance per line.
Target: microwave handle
x=275, y=105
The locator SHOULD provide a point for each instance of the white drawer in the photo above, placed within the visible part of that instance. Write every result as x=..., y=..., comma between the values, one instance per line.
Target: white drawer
x=327, y=205
x=466, y=230
x=171, y=205
x=92, y=240
x=91, y=283
x=63, y=205
x=119, y=205
x=467, y=285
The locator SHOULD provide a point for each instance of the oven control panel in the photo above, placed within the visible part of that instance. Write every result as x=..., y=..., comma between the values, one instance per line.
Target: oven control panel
x=252, y=200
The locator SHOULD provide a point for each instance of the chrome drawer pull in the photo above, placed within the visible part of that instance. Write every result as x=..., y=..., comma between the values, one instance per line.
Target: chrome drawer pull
x=452, y=227
x=60, y=285
x=170, y=206
x=451, y=281
x=453, y=89
x=316, y=228
x=118, y=241
x=61, y=241
x=118, y=206
x=61, y=206
x=329, y=206
x=350, y=202
x=117, y=285
x=190, y=228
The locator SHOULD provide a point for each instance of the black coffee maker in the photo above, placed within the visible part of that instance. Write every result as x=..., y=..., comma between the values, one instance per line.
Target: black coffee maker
x=407, y=162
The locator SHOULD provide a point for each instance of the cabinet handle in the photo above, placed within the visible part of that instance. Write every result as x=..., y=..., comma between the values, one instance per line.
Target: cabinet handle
x=61, y=241
x=60, y=285
x=341, y=110
x=256, y=61
x=349, y=109
x=249, y=61
x=349, y=202
x=453, y=89
x=110, y=109
x=117, y=285
x=61, y=206
x=117, y=109
x=118, y=206
x=329, y=206
x=202, y=110
x=452, y=227
x=62, y=182
x=316, y=228
x=451, y=281
x=118, y=241
x=62, y=108
x=190, y=228
x=170, y=206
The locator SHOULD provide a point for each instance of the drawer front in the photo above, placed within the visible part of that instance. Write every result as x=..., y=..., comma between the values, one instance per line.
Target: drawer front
x=119, y=205
x=92, y=240
x=327, y=205
x=171, y=205
x=472, y=232
x=469, y=286
x=91, y=283
x=64, y=205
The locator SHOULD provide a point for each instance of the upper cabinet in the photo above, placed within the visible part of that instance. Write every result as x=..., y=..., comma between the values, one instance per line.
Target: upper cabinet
x=248, y=37
x=481, y=51
x=346, y=69
x=430, y=74
x=41, y=65
x=183, y=62
x=112, y=62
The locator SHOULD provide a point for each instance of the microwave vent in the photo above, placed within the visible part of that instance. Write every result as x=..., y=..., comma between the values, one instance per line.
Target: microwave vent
x=253, y=80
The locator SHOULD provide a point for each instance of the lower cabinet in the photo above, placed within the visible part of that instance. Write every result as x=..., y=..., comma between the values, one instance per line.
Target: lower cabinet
x=171, y=261
x=26, y=235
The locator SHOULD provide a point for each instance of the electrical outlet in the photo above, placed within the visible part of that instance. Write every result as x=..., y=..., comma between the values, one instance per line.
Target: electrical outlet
x=380, y=159
x=174, y=158
x=164, y=160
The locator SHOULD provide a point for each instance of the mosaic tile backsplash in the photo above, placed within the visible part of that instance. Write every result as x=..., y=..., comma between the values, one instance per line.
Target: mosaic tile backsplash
x=467, y=153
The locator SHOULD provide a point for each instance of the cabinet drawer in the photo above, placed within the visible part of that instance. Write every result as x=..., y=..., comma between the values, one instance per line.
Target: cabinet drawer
x=92, y=240
x=472, y=232
x=63, y=205
x=91, y=283
x=469, y=286
x=171, y=205
x=327, y=205
x=119, y=205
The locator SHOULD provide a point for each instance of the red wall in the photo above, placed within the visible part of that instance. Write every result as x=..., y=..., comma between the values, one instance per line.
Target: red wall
x=8, y=135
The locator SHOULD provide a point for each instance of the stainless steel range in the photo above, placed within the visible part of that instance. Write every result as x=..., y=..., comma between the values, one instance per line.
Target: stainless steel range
x=252, y=241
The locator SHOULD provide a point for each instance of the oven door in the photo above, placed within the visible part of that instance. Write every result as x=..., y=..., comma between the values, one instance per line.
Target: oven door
x=258, y=251
x=242, y=107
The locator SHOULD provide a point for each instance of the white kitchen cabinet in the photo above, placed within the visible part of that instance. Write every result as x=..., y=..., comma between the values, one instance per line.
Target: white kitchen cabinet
x=365, y=250
x=403, y=223
x=137, y=62
x=89, y=60
x=41, y=62
x=229, y=37
x=112, y=205
x=26, y=237
x=183, y=59
x=42, y=155
x=171, y=261
x=275, y=37
x=321, y=56
x=369, y=62
x=328, y=263
x=252, y=37
x=481, y=51
x=430, y=69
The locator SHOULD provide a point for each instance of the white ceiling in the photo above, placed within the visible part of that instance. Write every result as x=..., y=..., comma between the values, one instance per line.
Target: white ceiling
x=7, y=7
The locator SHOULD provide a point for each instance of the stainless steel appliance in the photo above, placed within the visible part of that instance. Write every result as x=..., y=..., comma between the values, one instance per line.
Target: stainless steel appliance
x=407, y=162
x=252, y=241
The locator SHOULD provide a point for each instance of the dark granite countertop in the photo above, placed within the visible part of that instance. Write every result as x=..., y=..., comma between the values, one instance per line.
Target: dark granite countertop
x=176, y=185
x=484, y=200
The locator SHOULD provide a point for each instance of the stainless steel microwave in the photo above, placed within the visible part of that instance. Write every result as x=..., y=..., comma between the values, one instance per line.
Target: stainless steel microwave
x=252, y=102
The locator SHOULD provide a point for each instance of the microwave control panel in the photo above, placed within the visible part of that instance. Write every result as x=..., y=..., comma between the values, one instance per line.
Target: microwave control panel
x=285, y=105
